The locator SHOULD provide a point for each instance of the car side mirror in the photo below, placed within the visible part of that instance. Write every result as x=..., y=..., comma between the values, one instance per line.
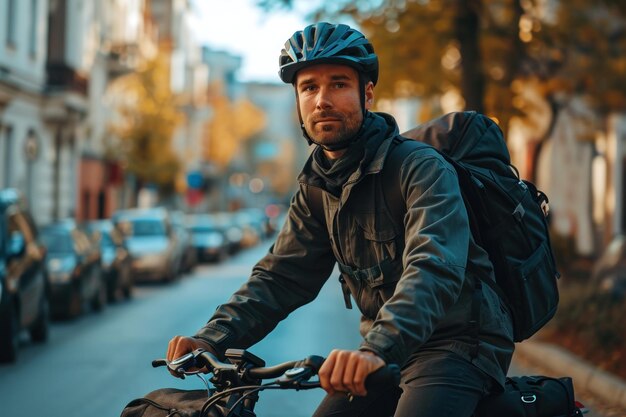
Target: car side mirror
x=17, y=245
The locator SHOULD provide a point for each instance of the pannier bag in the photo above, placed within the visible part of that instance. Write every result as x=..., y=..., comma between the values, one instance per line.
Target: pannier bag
x=532, y=396
x=167, y=402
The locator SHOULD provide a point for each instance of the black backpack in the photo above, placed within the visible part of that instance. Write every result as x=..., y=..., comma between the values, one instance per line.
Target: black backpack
x=507, y=215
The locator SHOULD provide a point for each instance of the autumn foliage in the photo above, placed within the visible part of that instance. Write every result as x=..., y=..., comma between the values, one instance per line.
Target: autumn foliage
x=147, y=117
x=231, y=124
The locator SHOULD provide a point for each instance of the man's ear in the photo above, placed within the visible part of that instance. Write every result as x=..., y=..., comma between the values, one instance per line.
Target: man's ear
x=369, y=95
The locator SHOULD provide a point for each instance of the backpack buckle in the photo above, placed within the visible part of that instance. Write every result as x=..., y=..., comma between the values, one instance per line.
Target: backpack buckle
x=542, y=199
x=519, y=212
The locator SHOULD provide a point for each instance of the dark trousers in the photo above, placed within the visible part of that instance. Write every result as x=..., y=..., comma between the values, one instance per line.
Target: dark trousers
x=434, y=384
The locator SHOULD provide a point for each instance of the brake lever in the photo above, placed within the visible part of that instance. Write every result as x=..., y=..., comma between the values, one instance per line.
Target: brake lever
x=180, y=365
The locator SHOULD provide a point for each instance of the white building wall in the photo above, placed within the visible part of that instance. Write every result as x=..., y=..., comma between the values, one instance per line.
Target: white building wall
x=565, y=174
x=118, y=24
x=68, y=181
x=30, y=175
x=25, y=70
x=22, y=82
x=189, y=80
x=81, y=35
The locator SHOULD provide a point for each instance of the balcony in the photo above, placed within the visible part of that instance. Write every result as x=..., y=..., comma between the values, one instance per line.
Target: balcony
x=61, y=77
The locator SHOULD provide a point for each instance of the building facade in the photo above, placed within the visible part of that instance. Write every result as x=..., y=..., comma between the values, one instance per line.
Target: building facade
x=25, y=142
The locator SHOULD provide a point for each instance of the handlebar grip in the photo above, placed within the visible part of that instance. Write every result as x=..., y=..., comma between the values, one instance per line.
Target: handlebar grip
x=386, y=376
x=159, y=362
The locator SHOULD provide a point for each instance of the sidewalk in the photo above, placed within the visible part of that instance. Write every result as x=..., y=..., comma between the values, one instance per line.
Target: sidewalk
x=560, y=362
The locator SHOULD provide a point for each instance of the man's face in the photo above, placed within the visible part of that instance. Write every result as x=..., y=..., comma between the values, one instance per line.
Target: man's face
x=330, y=103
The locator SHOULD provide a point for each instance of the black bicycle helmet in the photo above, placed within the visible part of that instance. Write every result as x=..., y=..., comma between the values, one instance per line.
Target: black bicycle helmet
x=325, y=43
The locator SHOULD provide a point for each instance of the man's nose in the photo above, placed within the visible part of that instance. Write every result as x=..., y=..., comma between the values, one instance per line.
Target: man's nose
x=323, y=99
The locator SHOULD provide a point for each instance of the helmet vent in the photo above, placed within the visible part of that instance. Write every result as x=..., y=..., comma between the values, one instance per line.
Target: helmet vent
x=327, y=43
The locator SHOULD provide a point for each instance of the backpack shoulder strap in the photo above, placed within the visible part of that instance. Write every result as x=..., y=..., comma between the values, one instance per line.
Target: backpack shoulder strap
x=400, y=147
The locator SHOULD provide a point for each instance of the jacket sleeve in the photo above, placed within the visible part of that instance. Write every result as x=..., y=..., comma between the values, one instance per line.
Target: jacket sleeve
x=290, y=275
x=436, y=244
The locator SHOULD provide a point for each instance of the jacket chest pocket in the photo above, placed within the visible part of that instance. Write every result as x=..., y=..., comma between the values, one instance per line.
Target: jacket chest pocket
x=373, y=238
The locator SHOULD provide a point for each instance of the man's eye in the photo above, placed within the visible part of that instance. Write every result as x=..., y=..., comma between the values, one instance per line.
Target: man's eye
x=340, y=85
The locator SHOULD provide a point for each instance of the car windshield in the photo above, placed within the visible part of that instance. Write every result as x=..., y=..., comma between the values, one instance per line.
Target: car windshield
x=106, y=241
x=57, y=242
x=148, y=227
x=199, y=229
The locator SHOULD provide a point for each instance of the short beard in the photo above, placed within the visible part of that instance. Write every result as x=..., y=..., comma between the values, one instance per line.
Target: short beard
x=349, y=127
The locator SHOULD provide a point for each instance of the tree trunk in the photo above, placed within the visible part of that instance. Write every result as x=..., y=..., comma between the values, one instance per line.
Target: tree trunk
x=467, y=24
x=555, y=108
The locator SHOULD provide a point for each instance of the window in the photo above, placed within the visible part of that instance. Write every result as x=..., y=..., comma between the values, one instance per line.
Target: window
x=11, y=22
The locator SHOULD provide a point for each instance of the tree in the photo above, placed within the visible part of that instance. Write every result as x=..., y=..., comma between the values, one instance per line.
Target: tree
x=581, y=50
x=230, y=125
x=147, y=117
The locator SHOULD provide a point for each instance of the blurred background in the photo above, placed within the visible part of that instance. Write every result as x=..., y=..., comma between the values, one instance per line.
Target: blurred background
x=128, y=119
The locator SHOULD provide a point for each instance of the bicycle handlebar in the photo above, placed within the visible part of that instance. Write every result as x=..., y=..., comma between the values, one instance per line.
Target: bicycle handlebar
x=245, y=367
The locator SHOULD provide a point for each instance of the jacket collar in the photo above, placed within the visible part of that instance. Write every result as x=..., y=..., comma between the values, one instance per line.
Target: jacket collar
x=307, y=176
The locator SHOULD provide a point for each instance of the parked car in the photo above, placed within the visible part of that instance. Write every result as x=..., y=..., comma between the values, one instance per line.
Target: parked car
x=74, y=270
x=257, y=219
x=116, y=261
x=233, y=231
x=189, y=257
x=152, y=243
x=208, y=238
x=250, y=226
x=24, y=303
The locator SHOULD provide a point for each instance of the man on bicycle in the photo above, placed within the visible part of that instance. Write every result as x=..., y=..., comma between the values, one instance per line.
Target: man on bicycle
x=413, y=279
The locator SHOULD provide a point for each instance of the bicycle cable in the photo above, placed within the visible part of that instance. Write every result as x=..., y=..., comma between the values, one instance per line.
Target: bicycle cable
x=270, y=385
x=206, y=384
x=218, y=396
x=244, y=396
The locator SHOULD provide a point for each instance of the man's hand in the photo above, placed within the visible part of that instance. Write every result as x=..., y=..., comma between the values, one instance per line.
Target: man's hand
x=346, y=370
x=181, y=345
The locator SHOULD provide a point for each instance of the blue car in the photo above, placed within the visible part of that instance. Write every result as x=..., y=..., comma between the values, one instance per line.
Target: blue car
x=74, y=270
x=24, y=303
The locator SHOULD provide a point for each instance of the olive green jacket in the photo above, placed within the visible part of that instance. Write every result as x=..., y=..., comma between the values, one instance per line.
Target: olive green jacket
x=407, y=276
